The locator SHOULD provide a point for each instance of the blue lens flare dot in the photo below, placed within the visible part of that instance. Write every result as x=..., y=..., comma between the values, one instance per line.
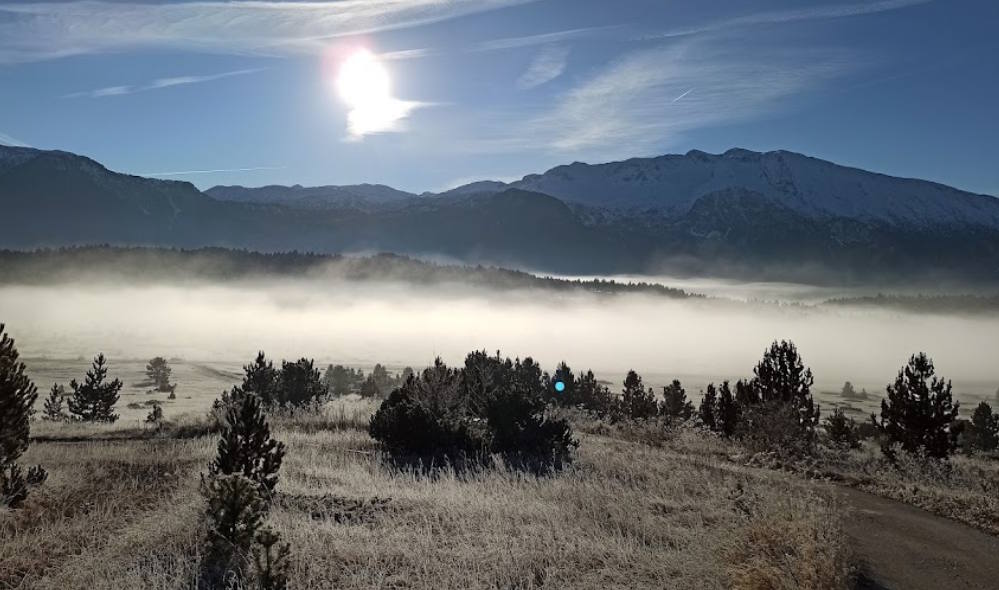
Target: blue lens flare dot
x=559, y=386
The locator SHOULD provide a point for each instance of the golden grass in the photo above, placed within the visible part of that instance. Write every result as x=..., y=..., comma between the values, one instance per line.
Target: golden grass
x=127, y=514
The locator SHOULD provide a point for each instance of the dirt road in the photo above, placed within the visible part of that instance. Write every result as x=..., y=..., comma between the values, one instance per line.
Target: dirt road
x=901, y=547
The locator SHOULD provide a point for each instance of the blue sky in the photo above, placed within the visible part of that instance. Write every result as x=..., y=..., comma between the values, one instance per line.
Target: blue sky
x=501, y=88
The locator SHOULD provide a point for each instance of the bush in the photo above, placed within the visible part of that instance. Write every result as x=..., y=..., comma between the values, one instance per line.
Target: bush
x=490, y=406
x=155, y=417
x=94, y=400
x=271, y=559
x=235, y=511
x=17, y=396
x=918, y=412
x=246, y=447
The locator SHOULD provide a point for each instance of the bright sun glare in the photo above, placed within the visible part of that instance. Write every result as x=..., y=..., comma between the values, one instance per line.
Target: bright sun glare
x=364, y=85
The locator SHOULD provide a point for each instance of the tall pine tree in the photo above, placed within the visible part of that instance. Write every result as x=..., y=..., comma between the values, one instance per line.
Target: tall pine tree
x=918, y=411
x=94, y=400
x=675, y=405
x=984, y=435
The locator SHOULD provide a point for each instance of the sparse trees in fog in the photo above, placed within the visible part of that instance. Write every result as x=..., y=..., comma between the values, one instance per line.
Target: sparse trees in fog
x=595, y=397
x=984, y=433
x=95, y=398
x=370, y=388
x=53, y=407
x=675, y=405
x=919, y=411
x=158, y=372
x=17, y=396
x=340, y=380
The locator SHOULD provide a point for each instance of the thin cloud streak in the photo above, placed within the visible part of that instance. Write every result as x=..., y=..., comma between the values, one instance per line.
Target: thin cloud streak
x=542, y=39
x=546, y=66
x=622, y=110
x=684, y=94
x=11, y=141
x=785, y=16
x=47, y=30
x=159, y=83
x=212, y=171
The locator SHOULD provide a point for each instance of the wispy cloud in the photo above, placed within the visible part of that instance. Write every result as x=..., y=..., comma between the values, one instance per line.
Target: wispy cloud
x=800, y=14
x=43, y=30
x=11, y=141
x=211, y=171
x=546, y=66
x=541, y=39
x=631, y=106
x=159, y=83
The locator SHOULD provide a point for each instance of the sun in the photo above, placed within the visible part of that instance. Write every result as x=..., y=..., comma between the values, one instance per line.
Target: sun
x=363, y=81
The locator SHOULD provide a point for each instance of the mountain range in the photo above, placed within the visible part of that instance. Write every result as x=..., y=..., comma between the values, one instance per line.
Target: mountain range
x=742, y=214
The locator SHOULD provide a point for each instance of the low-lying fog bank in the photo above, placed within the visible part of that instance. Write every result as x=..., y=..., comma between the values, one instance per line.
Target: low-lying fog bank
x=397, y=324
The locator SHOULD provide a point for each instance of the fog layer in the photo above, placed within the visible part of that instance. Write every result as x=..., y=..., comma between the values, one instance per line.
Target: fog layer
x=360, y=324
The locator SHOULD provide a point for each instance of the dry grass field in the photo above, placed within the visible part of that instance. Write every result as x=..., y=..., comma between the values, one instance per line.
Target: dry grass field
x=124, y=512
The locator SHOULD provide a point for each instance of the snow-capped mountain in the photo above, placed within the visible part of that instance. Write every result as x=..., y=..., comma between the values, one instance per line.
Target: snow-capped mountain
x=814, y=188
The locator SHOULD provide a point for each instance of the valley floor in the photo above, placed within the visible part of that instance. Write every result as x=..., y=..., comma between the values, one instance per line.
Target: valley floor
x=125, y=512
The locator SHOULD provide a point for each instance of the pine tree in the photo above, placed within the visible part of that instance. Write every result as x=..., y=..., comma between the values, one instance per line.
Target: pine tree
x=594, y=397
x=918, y=411
x=155, y=417
x=636, y=402
x=246, y=447
x=984, y=428
x=53, y=404
x=727, y=414
x=841, y=430
x=298, y=384
x=675, y=404
x=158, y=371
x=781, y=377
x=17, y=396
x=567, y=396
x=848, y=391
x=370, y=387
x=261, y=379
x=94, y=400
x=706, y=411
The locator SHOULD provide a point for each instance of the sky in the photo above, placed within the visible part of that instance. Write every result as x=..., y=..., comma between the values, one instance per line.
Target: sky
x=424, y=95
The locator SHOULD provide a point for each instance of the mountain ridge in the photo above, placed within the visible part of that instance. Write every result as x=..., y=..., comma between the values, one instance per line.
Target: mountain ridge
x=741, y=214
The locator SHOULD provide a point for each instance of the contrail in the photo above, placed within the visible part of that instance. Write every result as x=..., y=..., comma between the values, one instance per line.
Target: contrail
x=215, y=171
x=684, y=94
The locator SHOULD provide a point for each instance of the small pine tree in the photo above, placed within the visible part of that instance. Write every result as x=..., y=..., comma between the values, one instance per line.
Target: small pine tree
x=841, y=430
x=235, y=513
x=706, y=411
x=94, y=400
x=261, y=379
x=848, y=391
x=158, y=371
x=271, y=559
x=246, y=447
x=636, y=402
x=17, y=396
x=727, y=412
x=918, y=411
x=984, y=428
x=53, y=404
x=675, y=405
